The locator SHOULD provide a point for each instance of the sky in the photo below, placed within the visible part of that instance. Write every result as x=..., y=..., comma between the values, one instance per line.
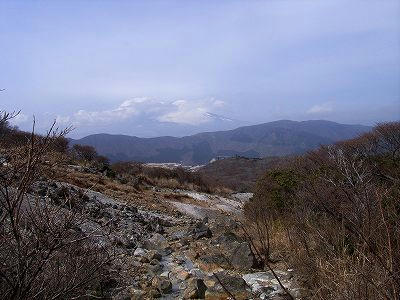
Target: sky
x=150, y=68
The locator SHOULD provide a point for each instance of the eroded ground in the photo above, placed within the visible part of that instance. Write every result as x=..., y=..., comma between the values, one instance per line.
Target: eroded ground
x=173, y=244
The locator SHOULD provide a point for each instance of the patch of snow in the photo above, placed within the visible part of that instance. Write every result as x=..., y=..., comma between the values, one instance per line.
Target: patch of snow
x=265, y=284
x=242, y=197
x=172, y=166
x=198, y=196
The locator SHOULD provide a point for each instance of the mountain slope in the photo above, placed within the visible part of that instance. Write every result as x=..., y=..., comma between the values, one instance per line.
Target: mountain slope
x=269, y=139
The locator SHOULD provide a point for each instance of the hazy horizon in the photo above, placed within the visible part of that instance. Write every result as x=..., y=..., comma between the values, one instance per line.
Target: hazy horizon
x=194, y=133
x=156, y=68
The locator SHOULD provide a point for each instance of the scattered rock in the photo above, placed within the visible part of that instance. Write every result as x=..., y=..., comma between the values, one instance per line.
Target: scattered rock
x=140, y=252
x=162, y=284
x=185, y=241
x=242, y=257
x=168, y=250
x=177, y=235
x=154, y=293
x=238, y=251
x=195, y=289
x=156, y=242
x=195, y=272
x=153, y=254
x=165, y=274
x=265, y=284
x=124, y=295
x=154, y=262
x=200, y=230
x=226, y=240
x=183, y=275
x=155, y=269
x=136, y=294
x=233, y=283
x=213, y=263
x=143, y=259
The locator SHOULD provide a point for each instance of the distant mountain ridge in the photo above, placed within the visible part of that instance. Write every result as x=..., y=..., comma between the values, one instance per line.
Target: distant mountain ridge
x=277, y=138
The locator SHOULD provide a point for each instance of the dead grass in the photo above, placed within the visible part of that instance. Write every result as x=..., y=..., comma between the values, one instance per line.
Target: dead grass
x=333, y=214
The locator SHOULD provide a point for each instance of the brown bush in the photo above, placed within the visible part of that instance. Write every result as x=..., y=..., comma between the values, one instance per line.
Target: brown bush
x=178, y=178
x=84, y=152
x=44, y=254
x=340, y=208
x=137, y=173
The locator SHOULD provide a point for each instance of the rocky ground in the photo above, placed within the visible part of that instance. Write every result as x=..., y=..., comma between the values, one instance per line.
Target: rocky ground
x=189, y=248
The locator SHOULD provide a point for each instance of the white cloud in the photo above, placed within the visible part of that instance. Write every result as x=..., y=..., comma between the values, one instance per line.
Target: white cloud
x=191, y=112
x=63, y=120
x=218, y=103
x=125, y=110
x=19, y=119
x=321, y=108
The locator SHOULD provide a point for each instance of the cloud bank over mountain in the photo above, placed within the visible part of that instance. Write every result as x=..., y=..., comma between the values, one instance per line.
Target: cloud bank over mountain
x=180, y=116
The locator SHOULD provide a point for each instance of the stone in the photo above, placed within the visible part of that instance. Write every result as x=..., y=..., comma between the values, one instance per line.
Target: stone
x=192, y=254
x=154, y=293
x=124, y=295
x=139, y=252
x=238, y=251
x=168, y=250
x=153, y=254
x=162, y=284
x=178, y=245
x=183, y=275
x=136, y=294
x=195, y=272
x=226, y=240
x=212, y=263
x=242, y=258
x=200, y=230
x=195, y=289
x=165, y=274
x=156, y=242
x=233, y=283
x=177, y=235
x=159, y=229
x=165, y=286
x=223, y=224
x=155, y=269
x=143, y=259
x=265, y=282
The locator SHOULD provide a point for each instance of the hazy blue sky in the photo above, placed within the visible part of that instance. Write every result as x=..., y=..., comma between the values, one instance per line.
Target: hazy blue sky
x=157, y=67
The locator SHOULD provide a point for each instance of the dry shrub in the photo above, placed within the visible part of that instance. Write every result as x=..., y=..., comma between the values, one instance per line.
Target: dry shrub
x=237, y=173
x=44, y=252
x=340, y=207
x=137, y=174
x=179, y=175
x=171, y=183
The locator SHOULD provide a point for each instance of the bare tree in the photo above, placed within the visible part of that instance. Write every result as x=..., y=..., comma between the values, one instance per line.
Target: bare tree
x=44, y=252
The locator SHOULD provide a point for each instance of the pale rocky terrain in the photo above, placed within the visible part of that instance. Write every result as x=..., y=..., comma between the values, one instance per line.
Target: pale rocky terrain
x=174, y=244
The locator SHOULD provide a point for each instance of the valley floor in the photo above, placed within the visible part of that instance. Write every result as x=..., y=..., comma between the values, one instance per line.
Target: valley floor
x=176, y=244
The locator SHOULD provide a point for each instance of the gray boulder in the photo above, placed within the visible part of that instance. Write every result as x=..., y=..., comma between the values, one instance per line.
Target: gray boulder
x=162, y=284
x=196, y=289
x=242, y=258
x=156, y=242
x=238, y=251
x=199, y=231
